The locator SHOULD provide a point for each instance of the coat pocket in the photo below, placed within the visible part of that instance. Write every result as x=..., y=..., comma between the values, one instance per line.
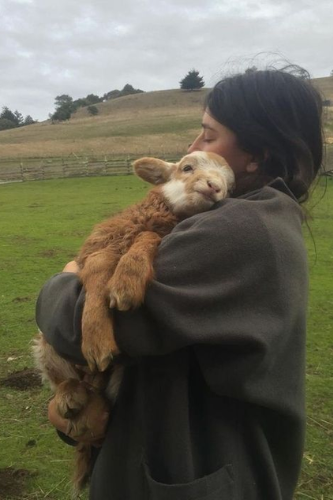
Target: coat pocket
x=216, y=486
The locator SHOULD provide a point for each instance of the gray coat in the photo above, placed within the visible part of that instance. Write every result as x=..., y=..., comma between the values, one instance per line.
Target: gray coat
x=212, y=401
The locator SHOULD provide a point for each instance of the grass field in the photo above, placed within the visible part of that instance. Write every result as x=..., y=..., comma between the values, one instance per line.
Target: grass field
x=42, y=226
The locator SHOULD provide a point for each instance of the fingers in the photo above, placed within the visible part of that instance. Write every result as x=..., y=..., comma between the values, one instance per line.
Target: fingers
x=71, y=267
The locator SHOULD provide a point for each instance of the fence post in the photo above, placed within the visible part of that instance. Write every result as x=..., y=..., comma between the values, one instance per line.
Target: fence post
x=105, y=164
x=128, y=162
x=42, y=170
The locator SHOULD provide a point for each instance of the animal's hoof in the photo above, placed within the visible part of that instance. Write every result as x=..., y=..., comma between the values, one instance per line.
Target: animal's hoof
x=113, y=302
x=98, y=362
x=71, y=412
x=121, y=302
x=71, y=397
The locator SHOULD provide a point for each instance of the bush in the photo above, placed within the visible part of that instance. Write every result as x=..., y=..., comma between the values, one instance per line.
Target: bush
x=92, y=110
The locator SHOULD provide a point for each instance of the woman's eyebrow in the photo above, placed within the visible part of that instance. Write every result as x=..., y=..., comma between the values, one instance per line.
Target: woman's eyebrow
x=207, y=127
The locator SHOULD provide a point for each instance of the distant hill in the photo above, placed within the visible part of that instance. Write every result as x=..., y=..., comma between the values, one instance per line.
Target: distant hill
x=167, y=101
x=150, y=123
x=325, y=86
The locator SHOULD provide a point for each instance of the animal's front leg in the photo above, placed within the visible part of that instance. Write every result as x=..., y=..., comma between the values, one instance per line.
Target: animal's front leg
x=98, y=342
x=134, y=271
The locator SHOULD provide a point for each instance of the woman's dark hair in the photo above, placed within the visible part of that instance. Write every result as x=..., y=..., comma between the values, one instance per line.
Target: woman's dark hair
x=276, y=117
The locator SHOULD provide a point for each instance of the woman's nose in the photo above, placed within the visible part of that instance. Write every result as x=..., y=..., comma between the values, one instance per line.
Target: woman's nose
x=193, y=147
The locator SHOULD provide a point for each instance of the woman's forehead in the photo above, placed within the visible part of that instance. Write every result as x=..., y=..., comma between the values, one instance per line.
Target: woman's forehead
x=209, y=123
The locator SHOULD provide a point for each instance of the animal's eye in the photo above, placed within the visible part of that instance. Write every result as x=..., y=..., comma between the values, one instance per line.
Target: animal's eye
x=187, y=168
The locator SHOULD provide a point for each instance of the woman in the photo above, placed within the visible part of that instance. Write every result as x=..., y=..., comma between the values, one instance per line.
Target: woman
x=212, y=401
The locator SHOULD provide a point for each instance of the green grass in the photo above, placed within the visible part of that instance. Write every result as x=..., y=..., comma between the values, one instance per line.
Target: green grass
x=317, y=475
x=42, y=226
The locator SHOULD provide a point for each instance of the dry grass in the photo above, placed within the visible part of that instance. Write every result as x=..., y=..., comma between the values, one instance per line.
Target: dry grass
x=325, y=86
x=158, y=144
x=155, y=123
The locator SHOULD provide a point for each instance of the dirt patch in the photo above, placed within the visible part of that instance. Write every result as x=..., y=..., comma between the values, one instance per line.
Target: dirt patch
x=49, y=253
x=23, y=380
x=22, y=299
x=13, y=481
x=34, y=205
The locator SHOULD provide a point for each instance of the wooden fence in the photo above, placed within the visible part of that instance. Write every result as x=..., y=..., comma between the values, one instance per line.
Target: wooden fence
x=32, y=169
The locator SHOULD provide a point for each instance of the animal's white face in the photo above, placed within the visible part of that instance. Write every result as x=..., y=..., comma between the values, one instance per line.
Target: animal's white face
x=197, y=182
x=191, y=186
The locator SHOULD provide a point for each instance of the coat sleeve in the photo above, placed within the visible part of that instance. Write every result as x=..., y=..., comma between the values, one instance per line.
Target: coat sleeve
x=58, y=315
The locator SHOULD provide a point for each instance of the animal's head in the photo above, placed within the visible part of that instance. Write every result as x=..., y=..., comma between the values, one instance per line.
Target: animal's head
x=191, y=186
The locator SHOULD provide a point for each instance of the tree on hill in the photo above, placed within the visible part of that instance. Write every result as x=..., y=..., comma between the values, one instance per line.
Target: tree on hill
x=127, y=90
x=113, y=94
x=192, y=81
x=28, y=120
x=6, y=124
x=18, y=118
x=63, y=100
x=93, y=99
x=80, y=103
x=61, y=114
x=9, y=119
x=64, y=108
x=7, y=114
x=87, y=101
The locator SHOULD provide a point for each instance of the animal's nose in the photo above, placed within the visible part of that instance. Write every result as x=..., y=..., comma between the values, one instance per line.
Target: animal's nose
x=213, y=186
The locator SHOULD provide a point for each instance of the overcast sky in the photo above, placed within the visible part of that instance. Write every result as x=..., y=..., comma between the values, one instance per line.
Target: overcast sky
x=78, y=47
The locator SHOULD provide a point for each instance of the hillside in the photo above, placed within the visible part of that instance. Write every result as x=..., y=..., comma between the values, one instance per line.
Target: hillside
x=154, y=123
x=149, y=123
x=325, y=86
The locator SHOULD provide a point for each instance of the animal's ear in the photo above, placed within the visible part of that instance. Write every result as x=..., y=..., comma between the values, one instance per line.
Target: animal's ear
x=153, y=170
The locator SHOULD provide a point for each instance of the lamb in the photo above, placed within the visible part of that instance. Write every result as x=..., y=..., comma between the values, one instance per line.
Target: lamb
x=116, y=265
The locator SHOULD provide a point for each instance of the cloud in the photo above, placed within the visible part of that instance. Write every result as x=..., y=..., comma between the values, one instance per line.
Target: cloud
x=50, y=48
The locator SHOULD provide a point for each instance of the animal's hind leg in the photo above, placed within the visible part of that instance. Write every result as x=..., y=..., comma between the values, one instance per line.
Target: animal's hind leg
x=134, y=271
x=65, y=380
x=53, y=368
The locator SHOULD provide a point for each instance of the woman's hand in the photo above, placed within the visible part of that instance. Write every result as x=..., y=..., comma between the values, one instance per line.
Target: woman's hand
x=71, y=267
